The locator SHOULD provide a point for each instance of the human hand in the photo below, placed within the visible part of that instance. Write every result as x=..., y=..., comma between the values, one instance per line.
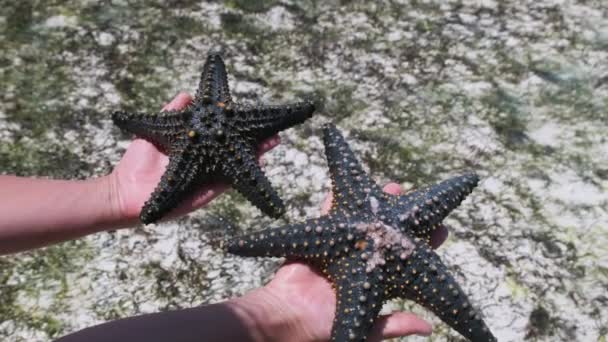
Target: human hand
x=306, y=299
x=141, y=167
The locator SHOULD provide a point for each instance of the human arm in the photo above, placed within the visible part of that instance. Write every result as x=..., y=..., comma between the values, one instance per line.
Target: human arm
x=297, y=305
x=248, y=318
x=38, y=212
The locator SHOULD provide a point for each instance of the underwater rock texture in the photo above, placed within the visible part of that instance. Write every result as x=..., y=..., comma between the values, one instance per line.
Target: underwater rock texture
x=516, y=90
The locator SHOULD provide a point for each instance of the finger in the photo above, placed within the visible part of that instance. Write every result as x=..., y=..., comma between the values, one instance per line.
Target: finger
x=327, y=203
x=392, y=188
x=205, y=195
x=295, y=271
x=201, y=198
x=268, y=144
x=439, y=235
x=399, y=324
x=180, y=101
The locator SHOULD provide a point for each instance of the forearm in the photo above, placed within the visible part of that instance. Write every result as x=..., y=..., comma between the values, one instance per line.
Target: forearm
x=38, y=212
x=250, y=318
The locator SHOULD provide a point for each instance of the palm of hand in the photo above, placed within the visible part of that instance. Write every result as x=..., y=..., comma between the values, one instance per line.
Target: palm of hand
x=310, y=297
x=139, y=172
x=141, y=168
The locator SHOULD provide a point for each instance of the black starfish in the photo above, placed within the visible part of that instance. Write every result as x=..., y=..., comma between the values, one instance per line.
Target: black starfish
x=214, y=139
x=374, y=246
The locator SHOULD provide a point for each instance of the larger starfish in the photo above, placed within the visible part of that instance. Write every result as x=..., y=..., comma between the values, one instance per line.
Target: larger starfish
x=374, y=247
x=213, y=139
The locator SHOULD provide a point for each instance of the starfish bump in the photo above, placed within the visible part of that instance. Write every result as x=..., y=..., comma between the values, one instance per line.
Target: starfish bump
x=374, y=247
x=213, y=140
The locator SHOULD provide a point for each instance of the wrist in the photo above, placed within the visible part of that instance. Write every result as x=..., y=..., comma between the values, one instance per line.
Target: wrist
x=112, y=215
x=267, y=317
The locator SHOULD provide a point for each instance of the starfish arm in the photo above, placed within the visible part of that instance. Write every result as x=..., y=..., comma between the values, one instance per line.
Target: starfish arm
x=213, y=87
x=175, y=185
x=423, y=210
x=351, y=186
x=262, y=122
x=359, y=298
x=246, y=176
x=424, y=278
x=301, y=240
x=158, y=129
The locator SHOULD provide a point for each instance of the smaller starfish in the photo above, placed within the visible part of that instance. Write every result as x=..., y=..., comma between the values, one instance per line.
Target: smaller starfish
x=213, y=140
x=374, y=247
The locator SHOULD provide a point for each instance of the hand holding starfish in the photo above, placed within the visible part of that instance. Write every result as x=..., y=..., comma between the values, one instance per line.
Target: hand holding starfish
x=215, y=139
x=142, y=166
x=306, y=296
x=75, y=208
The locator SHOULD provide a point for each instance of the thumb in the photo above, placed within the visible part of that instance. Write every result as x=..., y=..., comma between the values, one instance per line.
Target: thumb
x=399, y=324
x=327, y=203
x=180, y=101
